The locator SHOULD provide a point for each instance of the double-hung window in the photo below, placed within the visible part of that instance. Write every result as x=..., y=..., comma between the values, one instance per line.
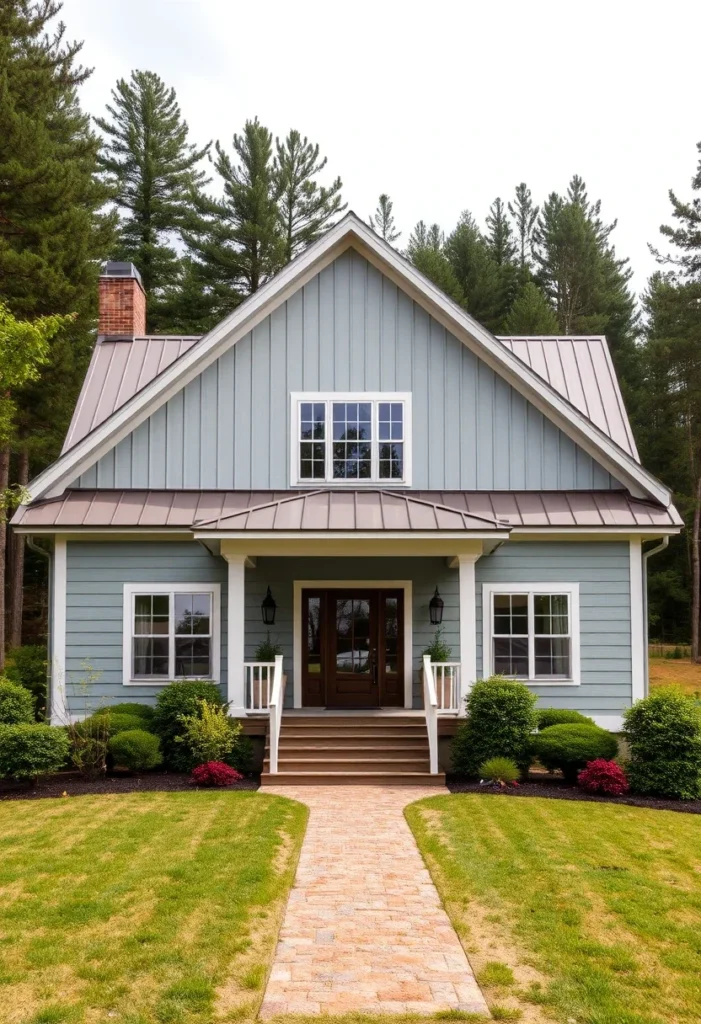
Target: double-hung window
x=355, y=438
x=171, y=631
x=531, y=632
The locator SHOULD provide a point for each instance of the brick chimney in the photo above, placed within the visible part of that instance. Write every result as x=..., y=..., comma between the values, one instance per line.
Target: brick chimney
x=122, y=302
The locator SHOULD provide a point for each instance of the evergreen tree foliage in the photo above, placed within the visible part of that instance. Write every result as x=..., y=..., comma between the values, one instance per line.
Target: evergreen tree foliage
x=382, y=220
x=425, y=251
x=478, y=275
x=687, y=235
x=153, y=171
x=525, y=215
x=500, y=238
x=237, y=241
x=531, y=314
x=307, y=209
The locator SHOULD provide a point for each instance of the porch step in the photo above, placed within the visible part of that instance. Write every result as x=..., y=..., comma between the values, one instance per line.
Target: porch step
x=341, y=764
x=352, y=778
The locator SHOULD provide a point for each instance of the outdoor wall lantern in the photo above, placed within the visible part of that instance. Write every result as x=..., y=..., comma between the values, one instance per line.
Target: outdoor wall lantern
x=435, y=607
x=268, y=607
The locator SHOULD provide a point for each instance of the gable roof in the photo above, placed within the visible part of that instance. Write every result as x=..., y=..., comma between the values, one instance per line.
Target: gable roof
x=350, y=232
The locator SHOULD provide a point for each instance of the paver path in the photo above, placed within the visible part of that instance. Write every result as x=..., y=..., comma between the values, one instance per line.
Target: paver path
x=364, y=928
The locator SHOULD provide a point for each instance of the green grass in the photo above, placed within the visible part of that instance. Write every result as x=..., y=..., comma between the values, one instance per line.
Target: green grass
x=153, y=908
x=595, y=908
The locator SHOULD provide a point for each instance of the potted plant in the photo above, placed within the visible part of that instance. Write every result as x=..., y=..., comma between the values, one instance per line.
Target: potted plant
x=266, y=652
x=438, y=650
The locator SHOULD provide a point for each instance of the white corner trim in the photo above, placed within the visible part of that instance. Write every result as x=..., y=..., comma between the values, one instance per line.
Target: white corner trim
x=132, y=589
x=236, y=633
x=571, y=589
x=300, y=585
x=468, y=625
x=59, y=707
x=297, y=397
x=638, y=654
x=349, y=231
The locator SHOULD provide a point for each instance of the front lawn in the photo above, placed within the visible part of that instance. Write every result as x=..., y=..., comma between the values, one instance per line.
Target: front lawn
x=152, y=908
x=578, y=912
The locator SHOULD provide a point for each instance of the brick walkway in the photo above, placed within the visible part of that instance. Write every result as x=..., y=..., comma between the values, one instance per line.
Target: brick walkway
x=364, y=928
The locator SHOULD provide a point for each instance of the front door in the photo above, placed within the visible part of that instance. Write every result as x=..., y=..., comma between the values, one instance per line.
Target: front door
x=353, y=648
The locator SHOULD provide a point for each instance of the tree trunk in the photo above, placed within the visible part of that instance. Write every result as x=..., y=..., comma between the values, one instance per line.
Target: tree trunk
x=17, y=563
x=696, y=575
x=4, y=483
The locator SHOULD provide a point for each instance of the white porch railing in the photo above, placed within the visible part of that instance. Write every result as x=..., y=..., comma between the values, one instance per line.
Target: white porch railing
x=446, y=676
x=431, y=712
x=276, y=705
x=258, y=685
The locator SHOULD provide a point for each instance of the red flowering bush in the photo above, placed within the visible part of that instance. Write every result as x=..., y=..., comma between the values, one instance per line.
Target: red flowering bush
x=215, y=773
x=603, y=776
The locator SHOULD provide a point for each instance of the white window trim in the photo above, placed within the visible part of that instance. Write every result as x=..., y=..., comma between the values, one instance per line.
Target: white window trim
x=572, y=591
x=131, y=590
x=350, y=396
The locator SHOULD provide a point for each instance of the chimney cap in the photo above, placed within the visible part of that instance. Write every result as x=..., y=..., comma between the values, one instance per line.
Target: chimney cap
x=113, y=268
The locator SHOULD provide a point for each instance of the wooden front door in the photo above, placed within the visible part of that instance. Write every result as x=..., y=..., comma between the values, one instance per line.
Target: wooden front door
x=353, y=648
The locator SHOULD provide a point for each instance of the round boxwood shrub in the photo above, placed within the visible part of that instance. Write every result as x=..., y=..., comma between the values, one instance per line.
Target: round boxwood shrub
x=664, y=738
x=135, y=749
x=561, y=716
x=176, y=702
x=108, y=725
x=571, y=747
x=500, y=719
x=141, y=711
x=16, y=703
x=28, y=751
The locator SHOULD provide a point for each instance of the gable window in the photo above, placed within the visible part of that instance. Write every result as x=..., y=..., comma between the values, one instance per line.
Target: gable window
x=354, y=438
x=531, y=632
x=171, y=632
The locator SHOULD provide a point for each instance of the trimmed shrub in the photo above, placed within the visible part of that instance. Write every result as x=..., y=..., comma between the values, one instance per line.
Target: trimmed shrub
x=208, y=734
x=215, y=773
x=500, y=719
x=108, y=725
x=29, y=750
x=240, y=756
x=136, y=750
x=561, y=716
x=664, y=737
x=28, y=665
x=603, y=777
x=16, y=703
x=571, y=747
x=176, y=702
x=140, y=711
x=500, y=770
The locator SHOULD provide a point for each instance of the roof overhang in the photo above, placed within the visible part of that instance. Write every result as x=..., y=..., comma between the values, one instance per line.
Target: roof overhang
x=349, y=232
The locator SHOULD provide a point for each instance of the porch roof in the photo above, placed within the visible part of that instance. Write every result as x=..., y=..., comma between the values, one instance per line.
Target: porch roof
x=344, y=510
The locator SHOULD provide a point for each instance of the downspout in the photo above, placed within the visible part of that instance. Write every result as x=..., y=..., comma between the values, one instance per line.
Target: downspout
x=647, y=554
x=31, y=543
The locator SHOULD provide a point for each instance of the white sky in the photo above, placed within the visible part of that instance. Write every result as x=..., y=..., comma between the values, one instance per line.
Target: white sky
x=442, y=105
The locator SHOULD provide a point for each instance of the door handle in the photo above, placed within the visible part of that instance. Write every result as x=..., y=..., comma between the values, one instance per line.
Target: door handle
x=373, y=662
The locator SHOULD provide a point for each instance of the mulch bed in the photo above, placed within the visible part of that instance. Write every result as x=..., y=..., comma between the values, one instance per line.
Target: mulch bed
x=557, y=789
x=72, y=784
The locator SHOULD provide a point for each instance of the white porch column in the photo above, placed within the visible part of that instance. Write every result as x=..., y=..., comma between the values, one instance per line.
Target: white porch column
x=468, y=625
x=236, y=624
x=638, y=653
x=59, y=707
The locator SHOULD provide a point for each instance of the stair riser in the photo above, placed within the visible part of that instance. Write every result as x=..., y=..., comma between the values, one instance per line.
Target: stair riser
x=349, y=779
x=291, y=764
x=357, y=735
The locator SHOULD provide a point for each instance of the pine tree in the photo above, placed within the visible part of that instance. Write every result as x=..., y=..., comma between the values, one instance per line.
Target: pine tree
x=425, y=251
x=307, y=209
x=478, y=275
x=237, y=241
x=500, y=239
x=687, y=236
x=382, y=221
x=153, y=170
x=525, y=215
x=531, y=314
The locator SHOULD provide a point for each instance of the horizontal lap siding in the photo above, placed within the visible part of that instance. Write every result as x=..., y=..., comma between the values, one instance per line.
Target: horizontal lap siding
x=348, y=329
x=280, y=573
x=603, y=573
x=94, y=610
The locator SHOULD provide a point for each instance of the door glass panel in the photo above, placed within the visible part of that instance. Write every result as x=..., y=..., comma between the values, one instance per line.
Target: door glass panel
x=391, y=614
x=314, y=634
x=352, y=635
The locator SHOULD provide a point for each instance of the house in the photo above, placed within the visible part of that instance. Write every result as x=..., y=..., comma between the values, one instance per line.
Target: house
x=345, y=461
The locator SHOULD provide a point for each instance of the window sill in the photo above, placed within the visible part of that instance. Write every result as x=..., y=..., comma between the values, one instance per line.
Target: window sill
x=551, y=682
x=167, y=682
x=357, y=485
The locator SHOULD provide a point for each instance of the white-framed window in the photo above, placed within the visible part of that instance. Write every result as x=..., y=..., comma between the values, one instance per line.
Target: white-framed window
x=171, y=631
x=531, y=632
x=351, y=438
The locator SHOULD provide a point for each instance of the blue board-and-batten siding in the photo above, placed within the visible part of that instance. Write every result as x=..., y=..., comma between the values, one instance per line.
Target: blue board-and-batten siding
x=97, y=573
x=348, y=329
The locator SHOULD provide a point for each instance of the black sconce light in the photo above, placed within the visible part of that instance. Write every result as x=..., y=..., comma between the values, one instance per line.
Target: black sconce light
x=435, y=607
x=268, y=608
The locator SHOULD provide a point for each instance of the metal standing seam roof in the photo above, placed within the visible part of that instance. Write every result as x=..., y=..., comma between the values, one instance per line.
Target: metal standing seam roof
x=345, y=510
x=579, y=369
